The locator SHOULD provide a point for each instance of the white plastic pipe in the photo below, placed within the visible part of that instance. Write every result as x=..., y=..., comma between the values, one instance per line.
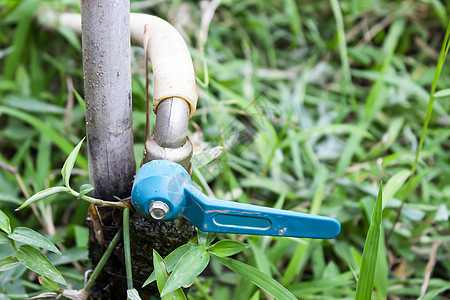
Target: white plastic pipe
x=173, y=70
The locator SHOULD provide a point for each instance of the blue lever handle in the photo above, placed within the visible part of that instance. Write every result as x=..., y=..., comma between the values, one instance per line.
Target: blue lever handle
x=163, y=191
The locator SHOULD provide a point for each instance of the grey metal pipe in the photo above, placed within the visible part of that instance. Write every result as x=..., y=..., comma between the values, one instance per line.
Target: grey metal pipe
x=171, y=125
x=105, y=30
x=169, y=140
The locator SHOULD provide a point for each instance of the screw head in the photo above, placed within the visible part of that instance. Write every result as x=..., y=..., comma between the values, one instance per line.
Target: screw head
x=158, y=210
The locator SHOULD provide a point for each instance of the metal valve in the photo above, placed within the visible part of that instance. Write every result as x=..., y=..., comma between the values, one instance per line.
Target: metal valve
x=163, y=191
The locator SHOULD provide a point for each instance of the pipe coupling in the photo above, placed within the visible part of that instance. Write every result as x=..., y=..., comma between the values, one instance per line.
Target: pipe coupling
x=181, y=155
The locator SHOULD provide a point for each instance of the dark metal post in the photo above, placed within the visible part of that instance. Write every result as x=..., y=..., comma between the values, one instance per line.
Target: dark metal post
x=107, y=88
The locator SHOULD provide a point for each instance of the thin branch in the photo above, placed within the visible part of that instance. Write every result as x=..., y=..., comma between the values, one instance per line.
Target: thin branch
x=101, y=203
x=428, y=269
x=103, y=261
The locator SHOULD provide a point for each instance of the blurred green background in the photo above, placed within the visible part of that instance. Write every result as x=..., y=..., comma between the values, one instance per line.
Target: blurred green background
x=314, y=103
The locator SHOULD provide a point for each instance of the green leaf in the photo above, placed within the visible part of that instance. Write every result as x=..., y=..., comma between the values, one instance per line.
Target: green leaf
x=45, y=129
x=160, y=270
x=133, y=294
x=171, y=261
x=188, y=268
x=442, y=93
x=8, y=263
x=328, y=129
x=4, y=222
x=30, y=237
x=34, y=260
x=4, y=238
x=80, y=234
x=43, y=194
x=70, y=162
x=48, y=283
x=365, y=283
x=394, y=184
x=227, y=248
x=69, y=256
x=382, y=269
x=80, y=100
x=85, y=189
x=32, y=105
x=262, y=280
x=205, y=238
x=71, y=37
x=297, y=262
x=161, y=278
x=205, y=157
x=9, y=199
x=261, y=260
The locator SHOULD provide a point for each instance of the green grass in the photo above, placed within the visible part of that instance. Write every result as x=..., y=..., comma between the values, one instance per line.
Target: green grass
x=315, y=104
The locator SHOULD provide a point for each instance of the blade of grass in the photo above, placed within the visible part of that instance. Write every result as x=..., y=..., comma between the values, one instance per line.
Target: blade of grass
x=440, y=65
x=26, y=10
x=381, y=269
x=296, y=263
x=365, y=283
x=335, y=6
x=259, y=278
x=372, y=105
x=44, y=128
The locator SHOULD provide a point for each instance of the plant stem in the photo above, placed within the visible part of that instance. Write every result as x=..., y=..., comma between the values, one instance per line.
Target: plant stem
x=443, y=55
x=126, y=246
x=103, y=261
x=98, y=202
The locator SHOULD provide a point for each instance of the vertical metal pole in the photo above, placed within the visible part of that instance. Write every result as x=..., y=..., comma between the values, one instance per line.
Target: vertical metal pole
x=107, y=83
x=105, y=26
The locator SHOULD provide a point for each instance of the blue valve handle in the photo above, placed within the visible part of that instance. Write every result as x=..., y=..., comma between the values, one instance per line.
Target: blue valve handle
x=167, y=182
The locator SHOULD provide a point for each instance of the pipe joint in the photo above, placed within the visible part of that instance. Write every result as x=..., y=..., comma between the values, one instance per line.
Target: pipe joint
x=181, y=155
x=169, y=140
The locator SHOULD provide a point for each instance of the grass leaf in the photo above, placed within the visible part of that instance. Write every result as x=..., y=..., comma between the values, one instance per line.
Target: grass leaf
x=4, y=222
x=187, y=269
x=227, y=248
x=30, y=237
x=48, y=283
x=394, y=184
x=70, y=162
x=4, y=238
x=133, y=294
x=46, y=129
x=365, y=283
x=43, y=194
x=85, y=189
x=205, y=238
x=262, y=280
x=8, y=263
x=171, y=261
x=161, y=278
x=34, y=260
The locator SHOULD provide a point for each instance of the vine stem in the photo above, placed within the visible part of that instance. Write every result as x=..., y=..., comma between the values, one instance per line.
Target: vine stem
x=103, y=261
x=126, y=246
x=98, y=202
